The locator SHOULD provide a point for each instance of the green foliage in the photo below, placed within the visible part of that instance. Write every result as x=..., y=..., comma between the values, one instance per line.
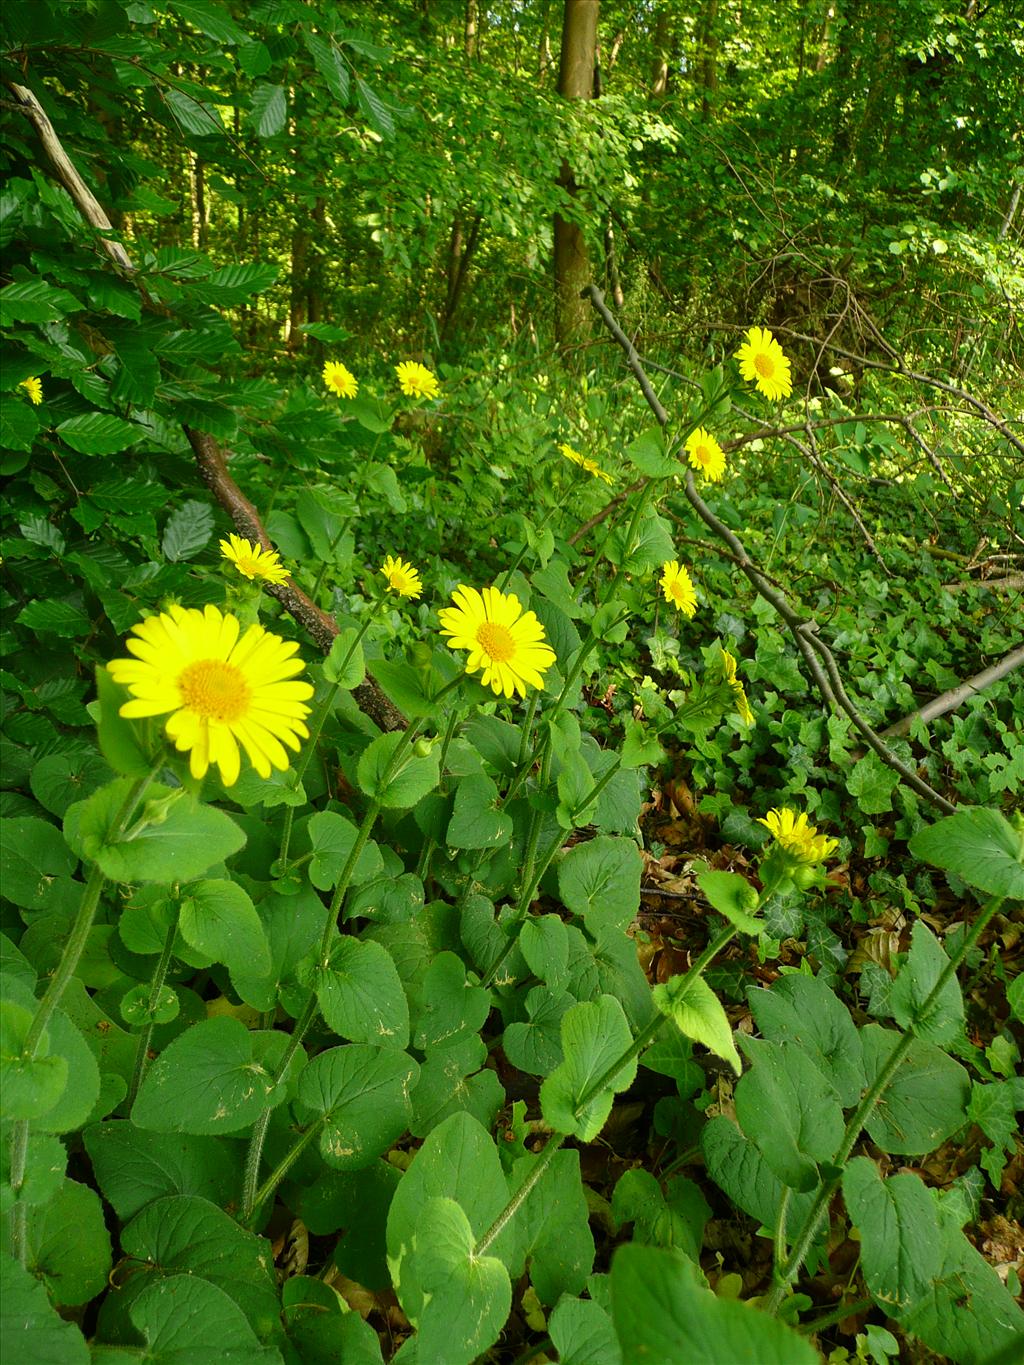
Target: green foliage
x=463, y=998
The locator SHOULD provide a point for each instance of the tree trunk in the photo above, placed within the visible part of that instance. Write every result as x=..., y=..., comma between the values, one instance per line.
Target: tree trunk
x=659, y=69
x=572, y=264
x=707, y=45
x=472, y=25
x=197, y=197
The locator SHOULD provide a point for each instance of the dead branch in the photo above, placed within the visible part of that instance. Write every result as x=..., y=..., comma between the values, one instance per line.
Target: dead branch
x=956, y=696
x=816, y=654
x=1014, y=580
x=211, y=457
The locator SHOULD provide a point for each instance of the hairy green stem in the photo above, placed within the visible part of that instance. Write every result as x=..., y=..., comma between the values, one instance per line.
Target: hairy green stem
x=805, y=1237
x=66, y=968
x=520, y=1197
x=146, y=1036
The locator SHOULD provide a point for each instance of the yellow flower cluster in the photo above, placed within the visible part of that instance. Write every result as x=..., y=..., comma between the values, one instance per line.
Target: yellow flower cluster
x=792, y=831
x=415, y=380
x=34, y=389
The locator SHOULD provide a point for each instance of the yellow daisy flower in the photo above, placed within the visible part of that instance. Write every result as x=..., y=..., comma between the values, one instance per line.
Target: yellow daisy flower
x=591, y=466
x=402, y=577
x=729, y=675
x=416, y=380
x=340, y=379
x=34, y=389
x=678, y=588
x=253, y=560
x=706, y=454
x=790, y=828
x=507, y=643
x=762, y=361
x=221, y=690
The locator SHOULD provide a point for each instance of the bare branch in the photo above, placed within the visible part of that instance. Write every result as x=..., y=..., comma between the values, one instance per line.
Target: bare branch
x=956, y=696
x=822, y=668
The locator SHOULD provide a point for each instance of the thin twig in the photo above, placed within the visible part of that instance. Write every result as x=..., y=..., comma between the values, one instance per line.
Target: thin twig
x=956, y=696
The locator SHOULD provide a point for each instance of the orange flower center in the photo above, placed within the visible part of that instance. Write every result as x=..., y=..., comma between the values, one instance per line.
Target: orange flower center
x=764, y=364
x=215, y=690
x=678, y=589
x=497, y=642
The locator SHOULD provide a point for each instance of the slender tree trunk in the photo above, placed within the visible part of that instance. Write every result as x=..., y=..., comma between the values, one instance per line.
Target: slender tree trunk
x=471, y=34
x=572, y=264
x=544, y=58
x=197, y=198
x=659, y=67
x=823, y=39
x=708, y=50
x=297, y=313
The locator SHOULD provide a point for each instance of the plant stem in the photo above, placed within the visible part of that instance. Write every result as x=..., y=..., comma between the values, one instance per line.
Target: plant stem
x=66, y=968
x=286, y=1163
x=146, y=1036
x=519, y=1198
x=791, y=1267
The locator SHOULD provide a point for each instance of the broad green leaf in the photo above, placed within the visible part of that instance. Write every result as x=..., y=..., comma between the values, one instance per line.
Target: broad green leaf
x=595, y=1035
x=211, y=19
x=172, y=837
x=733, y=897
x=600, y=880
x=475, y=822
x=662, y=1312
x=46, y=1163
x=184, y=1234
x=360, y=993
x=233, y=284
x=59, y=780
x=219, y=920
x=555, y=1241
x=536, y=1046
x=99, y=433
x=330, y=64
x=66, y=619
x=458, y=1160
x=68, y=1244
x=415, y=776
x=32, y=854
x=454, y=1080
x=359, y=1096
x=355, y=1205
x=19, y=427
x=185, y=1320
x=641, y=747
x=122, y=742
x=966, y=1314
x=268, y=111
x=900, y=1243
x=379, y=115
x=788, y=1108
x=198, y=117
x=697, y=1012
x=345, y=665
x=544, y=942
x=133, y=1167
x=675, y=1221
x=738, y=1168
x=29, y=1324
x=31, y=1086
x=924, y=1103
x=583, y=1334
x=979, y=845
x=803, y=1010
x=647, y=454
x=467, y=1296
x=917, y=977
x=188, y=529
x=206, y=1081
x=332, y=839
x=35, y=301
x=446, y=1008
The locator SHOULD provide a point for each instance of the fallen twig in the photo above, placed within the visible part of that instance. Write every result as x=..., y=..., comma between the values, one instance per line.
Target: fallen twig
x=956, y=696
